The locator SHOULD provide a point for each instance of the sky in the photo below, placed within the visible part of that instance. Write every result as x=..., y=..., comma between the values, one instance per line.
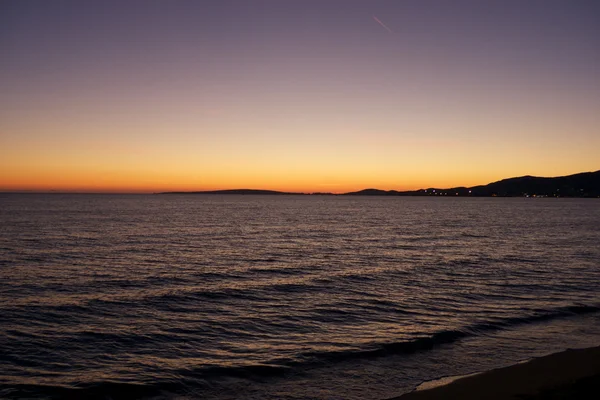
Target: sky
x=311, y=95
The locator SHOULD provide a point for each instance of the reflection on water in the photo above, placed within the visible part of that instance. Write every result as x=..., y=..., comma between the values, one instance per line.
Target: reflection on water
x=264, y=296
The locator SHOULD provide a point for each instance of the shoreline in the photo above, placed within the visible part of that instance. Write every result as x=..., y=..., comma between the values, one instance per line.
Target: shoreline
x=565, y=375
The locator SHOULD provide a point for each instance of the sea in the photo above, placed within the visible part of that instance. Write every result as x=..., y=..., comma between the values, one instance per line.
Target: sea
x=285, y=297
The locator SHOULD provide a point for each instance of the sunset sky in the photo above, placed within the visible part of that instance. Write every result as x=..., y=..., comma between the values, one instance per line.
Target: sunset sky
x=311, y=95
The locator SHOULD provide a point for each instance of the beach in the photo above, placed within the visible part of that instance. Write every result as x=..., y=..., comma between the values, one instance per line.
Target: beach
x=571, y=374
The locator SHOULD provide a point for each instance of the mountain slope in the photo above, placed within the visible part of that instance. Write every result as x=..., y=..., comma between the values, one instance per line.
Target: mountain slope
x=586, y=184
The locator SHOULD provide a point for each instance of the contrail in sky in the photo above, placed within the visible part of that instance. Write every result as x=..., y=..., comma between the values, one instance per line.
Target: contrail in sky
x=382, y=24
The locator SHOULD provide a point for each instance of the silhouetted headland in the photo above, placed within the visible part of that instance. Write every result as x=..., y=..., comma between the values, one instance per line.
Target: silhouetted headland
x=586, y=184
x=236, y=191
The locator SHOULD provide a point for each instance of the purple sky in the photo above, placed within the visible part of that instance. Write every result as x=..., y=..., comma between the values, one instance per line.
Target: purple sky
x=312, y=95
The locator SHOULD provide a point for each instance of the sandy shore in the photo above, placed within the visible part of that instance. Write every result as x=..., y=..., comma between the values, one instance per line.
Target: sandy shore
x=572, y=374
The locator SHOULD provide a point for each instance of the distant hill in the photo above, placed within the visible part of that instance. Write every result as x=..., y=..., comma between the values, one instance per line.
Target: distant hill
x=234, y=191
x=586, y=184
x=375, y=192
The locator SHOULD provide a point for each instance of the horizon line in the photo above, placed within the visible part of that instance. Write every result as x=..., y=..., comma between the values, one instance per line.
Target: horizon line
x=281, y=192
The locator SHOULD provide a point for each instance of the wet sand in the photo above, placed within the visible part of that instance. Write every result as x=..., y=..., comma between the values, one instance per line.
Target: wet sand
x=572, y=374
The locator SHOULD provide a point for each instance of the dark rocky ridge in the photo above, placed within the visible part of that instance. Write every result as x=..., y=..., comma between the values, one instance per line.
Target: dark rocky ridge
x=586, y=184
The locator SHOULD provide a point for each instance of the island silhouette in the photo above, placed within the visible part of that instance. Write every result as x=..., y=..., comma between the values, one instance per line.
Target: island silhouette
x=585, y=184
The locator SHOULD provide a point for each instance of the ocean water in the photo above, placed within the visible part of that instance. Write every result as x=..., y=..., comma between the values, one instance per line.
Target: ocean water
x=285, y=297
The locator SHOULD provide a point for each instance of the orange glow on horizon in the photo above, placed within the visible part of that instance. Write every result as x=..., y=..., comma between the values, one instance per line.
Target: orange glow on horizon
x=188, y=104
x=118, y=182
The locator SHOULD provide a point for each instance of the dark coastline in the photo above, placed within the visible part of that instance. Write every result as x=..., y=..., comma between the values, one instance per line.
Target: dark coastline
x=571, y=374
x=583, y=185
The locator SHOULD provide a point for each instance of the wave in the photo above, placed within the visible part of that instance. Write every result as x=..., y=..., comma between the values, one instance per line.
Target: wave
x=198, y=379
x=450, y=336
x=539, y=315
x=424, y=343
